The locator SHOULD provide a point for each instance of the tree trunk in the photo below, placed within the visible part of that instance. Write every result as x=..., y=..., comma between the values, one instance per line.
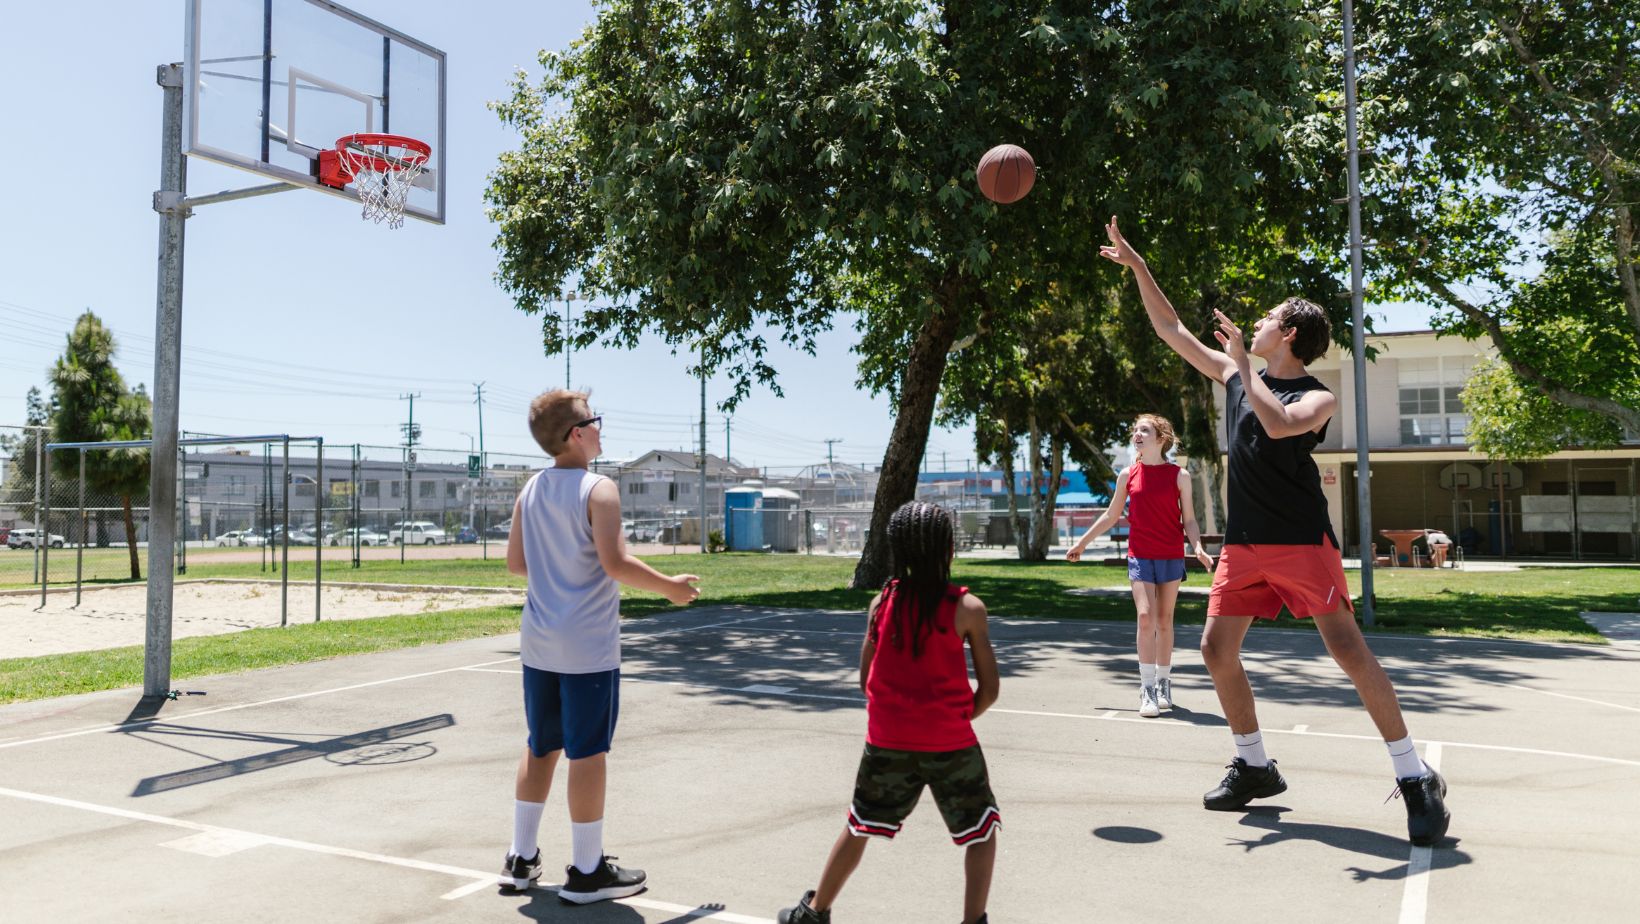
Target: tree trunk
x=1047, y=502
x=1016, y=531
x=131, y=537
x=920, y=386
x=1201, y=444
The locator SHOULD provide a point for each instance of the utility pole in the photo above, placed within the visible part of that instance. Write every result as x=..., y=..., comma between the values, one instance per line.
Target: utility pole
x=728, y=452
x=567, y=328
x=410, y=434
x=484, y=472
x=703, y=520
x=831, y=470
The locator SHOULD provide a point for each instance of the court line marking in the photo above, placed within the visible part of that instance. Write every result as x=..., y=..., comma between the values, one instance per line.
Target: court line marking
x=1004, y=644
x=479, y=879
x=1116, y=716
x=122, y=726
x=1415, y=897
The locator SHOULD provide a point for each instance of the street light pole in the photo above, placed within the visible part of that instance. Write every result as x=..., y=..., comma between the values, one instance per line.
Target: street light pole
x=1363, y=470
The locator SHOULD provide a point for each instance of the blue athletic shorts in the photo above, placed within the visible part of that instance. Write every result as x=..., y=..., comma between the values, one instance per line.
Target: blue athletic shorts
x=574, y=713
x=1155, y=570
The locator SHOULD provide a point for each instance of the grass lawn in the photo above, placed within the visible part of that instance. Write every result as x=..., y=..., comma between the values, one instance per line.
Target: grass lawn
x=1535, y=603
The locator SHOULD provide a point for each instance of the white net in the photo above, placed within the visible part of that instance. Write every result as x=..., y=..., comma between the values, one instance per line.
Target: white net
x=383, y=173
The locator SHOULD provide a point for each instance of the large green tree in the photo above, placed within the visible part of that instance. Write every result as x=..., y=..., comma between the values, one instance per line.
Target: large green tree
x=1502, y=187
x=725, y=172
x=92, y=404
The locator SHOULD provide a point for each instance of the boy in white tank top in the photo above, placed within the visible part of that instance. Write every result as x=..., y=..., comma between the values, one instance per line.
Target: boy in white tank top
x=566, y=539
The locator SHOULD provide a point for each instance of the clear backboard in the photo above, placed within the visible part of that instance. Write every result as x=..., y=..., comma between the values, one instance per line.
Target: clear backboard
x=271, y=83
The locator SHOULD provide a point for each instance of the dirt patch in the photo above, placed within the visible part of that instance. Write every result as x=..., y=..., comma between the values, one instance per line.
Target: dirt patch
x=114, y=617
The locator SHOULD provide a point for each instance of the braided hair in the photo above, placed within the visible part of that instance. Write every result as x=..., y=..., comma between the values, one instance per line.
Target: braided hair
x=919, y=550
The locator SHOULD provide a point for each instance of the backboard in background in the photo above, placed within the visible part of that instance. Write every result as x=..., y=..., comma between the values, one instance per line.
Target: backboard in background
x=271, y=83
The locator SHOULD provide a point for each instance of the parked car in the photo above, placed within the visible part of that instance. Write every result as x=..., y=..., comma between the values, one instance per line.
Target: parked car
x=302, y=537
x=500, y=530
x=367, y=536
x=466, y=535
x=32, y=538
x=417, y=532
x=239, y=537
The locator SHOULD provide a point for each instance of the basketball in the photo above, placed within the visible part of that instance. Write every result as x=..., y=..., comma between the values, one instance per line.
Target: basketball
x=1006, y=173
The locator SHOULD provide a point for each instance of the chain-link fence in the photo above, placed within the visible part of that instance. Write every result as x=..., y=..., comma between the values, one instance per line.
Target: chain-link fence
x=346, y=503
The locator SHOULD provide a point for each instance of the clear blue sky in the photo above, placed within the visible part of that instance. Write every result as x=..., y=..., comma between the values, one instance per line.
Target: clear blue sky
x=298, y=316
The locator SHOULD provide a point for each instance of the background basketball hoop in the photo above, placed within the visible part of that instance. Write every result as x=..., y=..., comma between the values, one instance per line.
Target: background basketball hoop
x=382, y=169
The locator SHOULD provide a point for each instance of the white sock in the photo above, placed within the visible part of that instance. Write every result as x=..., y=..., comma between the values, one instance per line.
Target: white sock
x=1147, y=674
x=1250, y=748
x=1405, y=756
x=526, y=827
x=1163, y=671
x=587, y=840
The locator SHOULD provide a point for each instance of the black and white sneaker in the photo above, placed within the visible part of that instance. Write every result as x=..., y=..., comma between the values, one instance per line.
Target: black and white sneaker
x=602, y=884
x=1243, y=784
x=801, y=913
x=1427, y=817
x=520, y=874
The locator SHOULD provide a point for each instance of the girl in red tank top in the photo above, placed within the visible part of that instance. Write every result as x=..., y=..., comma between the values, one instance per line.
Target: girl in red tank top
x=1161, y=516
x=919, y=714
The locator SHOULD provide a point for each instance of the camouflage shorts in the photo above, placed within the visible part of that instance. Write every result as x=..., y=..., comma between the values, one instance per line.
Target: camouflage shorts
x=890, y=782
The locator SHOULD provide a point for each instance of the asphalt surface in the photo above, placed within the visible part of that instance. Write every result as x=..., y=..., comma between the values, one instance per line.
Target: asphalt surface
x=379, y=788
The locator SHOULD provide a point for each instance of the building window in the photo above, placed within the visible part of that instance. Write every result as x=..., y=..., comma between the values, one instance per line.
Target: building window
x=451, y=489
x=429, y=490
x=1431, y=401
x=373, y=488
x=397, y=488
x=236, y=486
x=635, y=487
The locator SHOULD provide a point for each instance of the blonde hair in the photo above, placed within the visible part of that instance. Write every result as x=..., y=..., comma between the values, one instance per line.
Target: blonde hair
x=1164, y=430
x=552, y=413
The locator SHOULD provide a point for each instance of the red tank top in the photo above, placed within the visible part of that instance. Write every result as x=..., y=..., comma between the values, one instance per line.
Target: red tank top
x=922, y=703
x=1155, y=524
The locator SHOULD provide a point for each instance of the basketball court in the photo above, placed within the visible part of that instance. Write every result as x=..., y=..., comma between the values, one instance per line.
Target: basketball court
x=379, y=787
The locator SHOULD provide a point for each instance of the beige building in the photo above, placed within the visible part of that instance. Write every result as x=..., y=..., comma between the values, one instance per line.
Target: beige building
x=1576, y=504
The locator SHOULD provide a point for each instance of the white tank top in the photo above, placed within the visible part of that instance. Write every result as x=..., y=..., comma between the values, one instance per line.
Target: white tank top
x=572, y=611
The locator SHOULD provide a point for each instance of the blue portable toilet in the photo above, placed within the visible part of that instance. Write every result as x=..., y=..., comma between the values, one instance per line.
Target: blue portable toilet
x=743, y=518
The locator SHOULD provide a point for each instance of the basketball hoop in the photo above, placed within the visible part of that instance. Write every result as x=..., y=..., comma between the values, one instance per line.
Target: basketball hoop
x=382, y=168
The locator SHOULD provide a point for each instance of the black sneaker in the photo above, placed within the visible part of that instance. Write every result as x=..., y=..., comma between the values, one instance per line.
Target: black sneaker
x=801, y=913
x=520, y=873
x=1243, y=784
x=1427, y=817
x=606, y=882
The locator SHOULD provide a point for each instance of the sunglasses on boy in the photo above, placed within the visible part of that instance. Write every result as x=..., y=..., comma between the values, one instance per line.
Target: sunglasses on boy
x=597, y=422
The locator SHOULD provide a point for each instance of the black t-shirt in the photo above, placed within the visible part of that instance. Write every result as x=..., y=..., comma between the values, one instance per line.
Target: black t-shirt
x=1274, y=486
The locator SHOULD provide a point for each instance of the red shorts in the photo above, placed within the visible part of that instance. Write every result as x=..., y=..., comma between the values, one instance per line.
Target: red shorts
x=1257, y=580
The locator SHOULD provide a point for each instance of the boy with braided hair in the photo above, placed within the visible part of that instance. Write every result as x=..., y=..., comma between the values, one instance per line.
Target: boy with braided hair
x=919, y=714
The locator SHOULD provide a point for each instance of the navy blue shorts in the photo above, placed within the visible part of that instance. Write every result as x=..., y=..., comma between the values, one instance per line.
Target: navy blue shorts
x=1155, y=570
x=574, y=713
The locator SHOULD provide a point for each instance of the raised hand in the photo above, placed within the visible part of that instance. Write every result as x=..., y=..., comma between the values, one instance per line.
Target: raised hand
x=1119, y=251
x=1230, y=338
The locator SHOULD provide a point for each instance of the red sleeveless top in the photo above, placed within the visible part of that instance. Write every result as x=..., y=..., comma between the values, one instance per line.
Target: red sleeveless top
x=922, y=703
x=1155, y=523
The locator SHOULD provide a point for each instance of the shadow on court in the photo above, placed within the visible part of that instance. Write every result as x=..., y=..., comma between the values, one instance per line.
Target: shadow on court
x=379, y=787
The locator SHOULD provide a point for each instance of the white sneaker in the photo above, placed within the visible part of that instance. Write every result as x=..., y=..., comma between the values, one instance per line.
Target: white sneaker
x=1164, y=693
x=1147, y=702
